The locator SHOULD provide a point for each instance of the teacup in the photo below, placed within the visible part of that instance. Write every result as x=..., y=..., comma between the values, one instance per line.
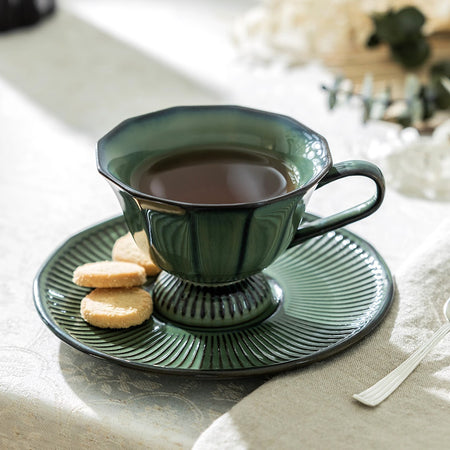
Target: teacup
x=213, y=255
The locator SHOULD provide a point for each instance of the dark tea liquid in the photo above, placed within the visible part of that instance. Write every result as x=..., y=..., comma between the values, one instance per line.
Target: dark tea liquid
x=215, y=176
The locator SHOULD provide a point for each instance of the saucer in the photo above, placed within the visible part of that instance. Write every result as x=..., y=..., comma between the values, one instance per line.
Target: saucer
x=333, y=290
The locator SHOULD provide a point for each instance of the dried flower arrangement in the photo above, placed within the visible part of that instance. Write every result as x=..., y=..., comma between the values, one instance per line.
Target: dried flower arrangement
x=422, y=101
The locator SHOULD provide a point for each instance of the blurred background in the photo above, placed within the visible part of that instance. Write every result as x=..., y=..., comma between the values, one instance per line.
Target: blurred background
x=371, y=76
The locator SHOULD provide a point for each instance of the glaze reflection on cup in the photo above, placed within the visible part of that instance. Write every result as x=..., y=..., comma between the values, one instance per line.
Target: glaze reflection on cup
x=206, y=251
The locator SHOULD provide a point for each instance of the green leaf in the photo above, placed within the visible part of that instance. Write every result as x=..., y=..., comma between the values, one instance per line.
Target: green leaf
x=332, y=99
x=367, y=86
x=349, y=90
x=381, y=103
x=387, y=29
x=333, y=92
x=427, y=97
x=440, y=69
x=414, y=105
x=397, y=27
x=416, y=110
x=412, y=87
x=410, y=20
x=367, y=107
x=367, y=96
x=404, y=120
x=373, y=41
x=439, y=72
x=402, y=31
x=411, y=54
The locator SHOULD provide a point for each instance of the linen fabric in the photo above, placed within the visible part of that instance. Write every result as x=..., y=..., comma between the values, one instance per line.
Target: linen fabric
x=313, y=407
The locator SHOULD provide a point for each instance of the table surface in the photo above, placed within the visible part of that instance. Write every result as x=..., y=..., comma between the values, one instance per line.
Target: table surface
x=65, y=83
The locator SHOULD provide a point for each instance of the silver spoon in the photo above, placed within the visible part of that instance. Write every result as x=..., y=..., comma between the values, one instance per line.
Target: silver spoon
x=381, y=390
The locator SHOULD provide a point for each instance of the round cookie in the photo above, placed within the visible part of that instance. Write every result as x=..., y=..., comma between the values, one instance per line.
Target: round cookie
x=109, y=274
x=125, y=249
x=116, y=307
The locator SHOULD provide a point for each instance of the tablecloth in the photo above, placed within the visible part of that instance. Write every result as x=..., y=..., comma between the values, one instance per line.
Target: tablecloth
x=63, y=85
x=314, y=408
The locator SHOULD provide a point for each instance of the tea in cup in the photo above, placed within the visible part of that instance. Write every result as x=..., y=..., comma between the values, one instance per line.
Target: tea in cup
x=214, y=194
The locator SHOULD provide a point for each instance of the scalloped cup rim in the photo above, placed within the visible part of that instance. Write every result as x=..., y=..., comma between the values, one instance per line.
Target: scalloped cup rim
x=135, y=193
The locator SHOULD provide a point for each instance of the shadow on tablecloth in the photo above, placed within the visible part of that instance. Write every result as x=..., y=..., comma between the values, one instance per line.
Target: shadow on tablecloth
x=89, y=79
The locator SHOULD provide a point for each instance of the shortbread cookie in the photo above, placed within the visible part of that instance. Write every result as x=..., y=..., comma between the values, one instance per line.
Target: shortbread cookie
x=125, y=249
x=116, y=307
x=109, y=274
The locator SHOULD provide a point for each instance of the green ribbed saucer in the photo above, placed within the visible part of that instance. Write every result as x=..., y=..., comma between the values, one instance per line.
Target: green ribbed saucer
x=332, y=291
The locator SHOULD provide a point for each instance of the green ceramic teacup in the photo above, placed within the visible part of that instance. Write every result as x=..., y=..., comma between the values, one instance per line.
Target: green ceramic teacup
x=213, y=256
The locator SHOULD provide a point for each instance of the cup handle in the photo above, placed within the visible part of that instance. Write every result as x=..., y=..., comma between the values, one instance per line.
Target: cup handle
x=338, y=220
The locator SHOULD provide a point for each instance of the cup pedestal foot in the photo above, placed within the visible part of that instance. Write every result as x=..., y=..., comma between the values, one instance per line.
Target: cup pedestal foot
x=214, y=306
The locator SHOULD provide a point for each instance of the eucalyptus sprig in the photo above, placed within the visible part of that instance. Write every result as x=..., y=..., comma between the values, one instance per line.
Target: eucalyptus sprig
x=402, y=31
x=419, y=103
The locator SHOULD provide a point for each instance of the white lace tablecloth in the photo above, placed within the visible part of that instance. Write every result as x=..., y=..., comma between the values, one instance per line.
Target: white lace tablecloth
x=62, y=86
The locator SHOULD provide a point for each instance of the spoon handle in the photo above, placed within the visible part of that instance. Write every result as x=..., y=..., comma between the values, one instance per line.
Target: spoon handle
x=374, y=395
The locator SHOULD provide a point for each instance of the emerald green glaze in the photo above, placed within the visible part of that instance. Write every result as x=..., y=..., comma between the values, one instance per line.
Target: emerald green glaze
x=332, y=290
x=212, y=245
x=218, y=306
x=342, y=170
